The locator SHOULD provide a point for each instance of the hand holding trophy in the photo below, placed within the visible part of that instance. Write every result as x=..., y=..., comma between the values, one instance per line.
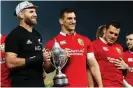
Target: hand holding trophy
x=59, y=59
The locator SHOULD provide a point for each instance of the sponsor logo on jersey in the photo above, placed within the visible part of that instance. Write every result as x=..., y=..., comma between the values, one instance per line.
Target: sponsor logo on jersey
x=111, y=60
x=2, y=47
x=130, y=59
x=119, y=50
x=77, y=52
x=105, y=49
x=29, y=42
x=80, y=41
x=63, y=42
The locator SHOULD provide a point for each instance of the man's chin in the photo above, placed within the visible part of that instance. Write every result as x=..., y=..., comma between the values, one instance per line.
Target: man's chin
x=71, y=29
x=34, y=23
x=110, y=42
x=129, y=48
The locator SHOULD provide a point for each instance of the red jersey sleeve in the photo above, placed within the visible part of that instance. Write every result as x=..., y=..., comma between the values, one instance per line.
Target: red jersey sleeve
x=89, y=45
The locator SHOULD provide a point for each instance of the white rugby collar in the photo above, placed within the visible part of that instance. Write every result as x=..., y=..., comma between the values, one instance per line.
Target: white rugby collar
x=64, y=34
x=102, y=40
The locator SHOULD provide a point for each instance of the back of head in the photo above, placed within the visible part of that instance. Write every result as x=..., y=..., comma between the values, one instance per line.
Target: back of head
x=100, y=31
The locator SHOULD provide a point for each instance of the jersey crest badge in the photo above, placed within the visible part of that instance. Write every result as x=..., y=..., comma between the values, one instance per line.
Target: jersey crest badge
x=119, y=50
x=80, y=41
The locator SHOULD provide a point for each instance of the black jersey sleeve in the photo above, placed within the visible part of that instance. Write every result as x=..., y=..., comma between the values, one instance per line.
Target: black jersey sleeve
x=12, y=43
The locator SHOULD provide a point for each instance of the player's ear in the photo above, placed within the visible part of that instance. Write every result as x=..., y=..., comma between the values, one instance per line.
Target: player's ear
x=21, y=15
x=60, y=21
x=104, y=30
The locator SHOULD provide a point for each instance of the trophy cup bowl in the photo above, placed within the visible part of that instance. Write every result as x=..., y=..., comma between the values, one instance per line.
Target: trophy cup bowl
x=59, y=59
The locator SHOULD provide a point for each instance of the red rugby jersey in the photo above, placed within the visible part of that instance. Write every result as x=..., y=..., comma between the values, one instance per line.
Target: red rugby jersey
x=5, y=81
x=128, y=57
x=75, y=69
x=106, y=55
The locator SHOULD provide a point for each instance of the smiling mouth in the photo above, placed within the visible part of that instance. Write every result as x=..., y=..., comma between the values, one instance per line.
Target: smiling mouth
x=33, y=18
x=129, y=45
x=111, y=40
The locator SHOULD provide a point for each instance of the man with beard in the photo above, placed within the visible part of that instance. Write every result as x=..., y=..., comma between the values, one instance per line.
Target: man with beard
x=78, y=48
x=119, y=63
x=23, y=47
x=128, y=57
x=107, y=52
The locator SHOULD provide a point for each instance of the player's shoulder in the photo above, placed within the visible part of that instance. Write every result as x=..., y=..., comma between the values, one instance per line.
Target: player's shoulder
x=96, y=41
x=118, y=45
x=126, y=52
x=83, y=37
x=3, y=36
x=16, y=31
x=51, y=41
x=38, y=33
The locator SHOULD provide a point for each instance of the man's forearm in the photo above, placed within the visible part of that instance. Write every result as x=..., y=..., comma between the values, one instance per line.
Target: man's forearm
x=17, y=62
x=90, y=78
x=126, y=84
x=13, y=61
x=97, y=75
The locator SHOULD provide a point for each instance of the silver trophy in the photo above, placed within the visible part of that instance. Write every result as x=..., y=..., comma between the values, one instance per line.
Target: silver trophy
x=59, y=59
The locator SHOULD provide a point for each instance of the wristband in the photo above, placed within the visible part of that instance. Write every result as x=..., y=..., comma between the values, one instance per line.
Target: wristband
x=33, y=60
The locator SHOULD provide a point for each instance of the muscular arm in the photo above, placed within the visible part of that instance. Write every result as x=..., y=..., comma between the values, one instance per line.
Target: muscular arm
x=13, y=61
x=94, y=68
x=90, y=78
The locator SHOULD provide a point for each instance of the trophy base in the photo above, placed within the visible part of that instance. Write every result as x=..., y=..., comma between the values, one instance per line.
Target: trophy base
x=60, y=82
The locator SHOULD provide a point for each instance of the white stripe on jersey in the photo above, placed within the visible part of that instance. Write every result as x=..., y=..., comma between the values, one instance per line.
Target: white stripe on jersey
x=90, y=55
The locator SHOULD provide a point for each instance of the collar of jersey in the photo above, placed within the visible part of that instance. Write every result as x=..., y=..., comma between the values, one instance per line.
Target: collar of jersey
x=102, y=40
x=64, y=34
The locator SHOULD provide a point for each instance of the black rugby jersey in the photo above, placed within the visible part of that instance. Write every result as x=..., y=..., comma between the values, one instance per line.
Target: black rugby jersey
x=25, y=44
